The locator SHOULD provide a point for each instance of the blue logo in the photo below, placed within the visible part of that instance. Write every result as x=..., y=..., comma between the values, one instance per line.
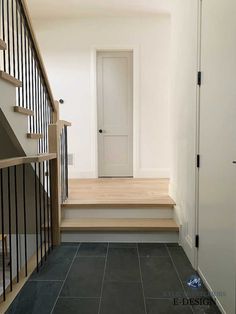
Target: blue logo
x=194, y=282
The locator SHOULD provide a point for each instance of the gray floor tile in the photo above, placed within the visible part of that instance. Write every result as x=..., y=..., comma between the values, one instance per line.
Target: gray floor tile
x=122, y=265
x=70, y=244
x=122, y=245
x=51, y=271
x=92, y=249
x=36, y=298
x=166, y=306
x=152, y=249
x=57, y=265
x=122, y=298
x=206, y=309
x=182, y=264
x=85, y=278
x=62, y=254
x=174, y=244
x=159, y=278
x=76, y=306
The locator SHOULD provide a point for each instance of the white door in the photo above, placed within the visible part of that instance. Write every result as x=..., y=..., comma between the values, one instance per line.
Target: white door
x=115, y=114
x=217, y=173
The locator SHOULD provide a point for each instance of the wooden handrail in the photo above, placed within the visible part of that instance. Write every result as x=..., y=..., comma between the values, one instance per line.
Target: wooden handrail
x=38, y=53
x=10, y=162
x=62, y=124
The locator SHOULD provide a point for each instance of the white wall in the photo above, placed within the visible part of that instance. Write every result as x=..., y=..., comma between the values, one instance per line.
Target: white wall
x=68, y=50
x=183, y=116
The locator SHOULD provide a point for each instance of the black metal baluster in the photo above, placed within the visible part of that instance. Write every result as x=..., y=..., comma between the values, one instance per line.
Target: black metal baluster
x=8, y=38
x=3, y=233
x=36, y=213
x=25, y=222
x=13, y=38
x=40, y=213
x=22, y=61
x=66, y=161
x=33, y=90
x=9, y=222
x=26, y=70
x=51, y=218
x=29, y=84
x=16, y=223
x=18, y=53
x=44, y=213
x=3, y=34
x=48, y=214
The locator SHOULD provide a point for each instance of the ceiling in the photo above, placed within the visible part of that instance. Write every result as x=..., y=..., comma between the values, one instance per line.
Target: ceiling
x=40, y=9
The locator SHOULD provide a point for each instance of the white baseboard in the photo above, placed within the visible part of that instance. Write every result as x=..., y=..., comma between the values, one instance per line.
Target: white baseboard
x=214, y=296
x=152, y=173
x=159, y=237
x=73, y=174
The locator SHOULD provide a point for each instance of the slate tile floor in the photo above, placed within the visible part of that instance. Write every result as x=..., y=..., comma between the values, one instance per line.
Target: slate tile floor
x=114, y=278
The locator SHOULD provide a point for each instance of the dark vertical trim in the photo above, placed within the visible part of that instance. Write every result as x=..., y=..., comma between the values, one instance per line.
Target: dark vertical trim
x=25, y=222
x=16, y=223
x=9, y=222
x=3, y=233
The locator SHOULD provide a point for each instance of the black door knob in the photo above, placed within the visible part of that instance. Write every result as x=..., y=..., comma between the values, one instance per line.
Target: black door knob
x=100, y=131
x=234, y=161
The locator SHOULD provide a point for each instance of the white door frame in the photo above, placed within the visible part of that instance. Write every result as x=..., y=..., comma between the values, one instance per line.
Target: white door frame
x=136, y=113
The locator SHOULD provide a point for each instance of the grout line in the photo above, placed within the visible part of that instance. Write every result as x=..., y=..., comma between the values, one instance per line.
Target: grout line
x=103, y=279
x=67, y=274
x=176, y=270
x=141, y=277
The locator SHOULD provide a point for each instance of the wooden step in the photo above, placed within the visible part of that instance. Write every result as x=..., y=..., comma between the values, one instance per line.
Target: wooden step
x=3, y=45
x=35, y=136
x=24, y=111
x=76, y=204
x=116, y=224
x=10, y=79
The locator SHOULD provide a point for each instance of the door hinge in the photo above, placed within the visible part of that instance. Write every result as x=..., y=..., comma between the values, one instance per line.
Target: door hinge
x=198, y=161
x=197, y=241
x=199, y=78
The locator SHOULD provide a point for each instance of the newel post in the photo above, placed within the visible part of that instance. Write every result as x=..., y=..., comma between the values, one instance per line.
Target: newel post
x=54, y=147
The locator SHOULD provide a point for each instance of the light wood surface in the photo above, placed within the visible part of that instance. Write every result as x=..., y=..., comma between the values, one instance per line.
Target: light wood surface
x=9, y=162
x=118, y=192
x=3, y=45
x=39, y=158
x=23, y=111
x=34, y=136
x=10, y=79
x=118, y=224
x=54, y=148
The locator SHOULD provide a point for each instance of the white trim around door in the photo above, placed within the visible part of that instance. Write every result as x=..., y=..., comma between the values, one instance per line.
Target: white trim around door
x=136, y=114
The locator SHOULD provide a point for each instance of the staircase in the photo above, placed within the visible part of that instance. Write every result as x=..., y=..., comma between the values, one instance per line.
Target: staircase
x=119, y=210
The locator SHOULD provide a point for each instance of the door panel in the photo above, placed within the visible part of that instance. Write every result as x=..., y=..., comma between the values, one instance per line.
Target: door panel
x=115, y=114
x=217, y=174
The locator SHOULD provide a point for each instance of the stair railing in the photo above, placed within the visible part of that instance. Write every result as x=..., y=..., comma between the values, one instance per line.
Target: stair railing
x=22, y=60
x=26, y=216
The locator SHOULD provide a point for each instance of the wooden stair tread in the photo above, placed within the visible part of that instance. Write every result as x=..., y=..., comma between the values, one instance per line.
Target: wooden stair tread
x=3, y=45
x=35, y=136
x=23, y=111
x=118, y=224
x=10, y=79
x=74, y=204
